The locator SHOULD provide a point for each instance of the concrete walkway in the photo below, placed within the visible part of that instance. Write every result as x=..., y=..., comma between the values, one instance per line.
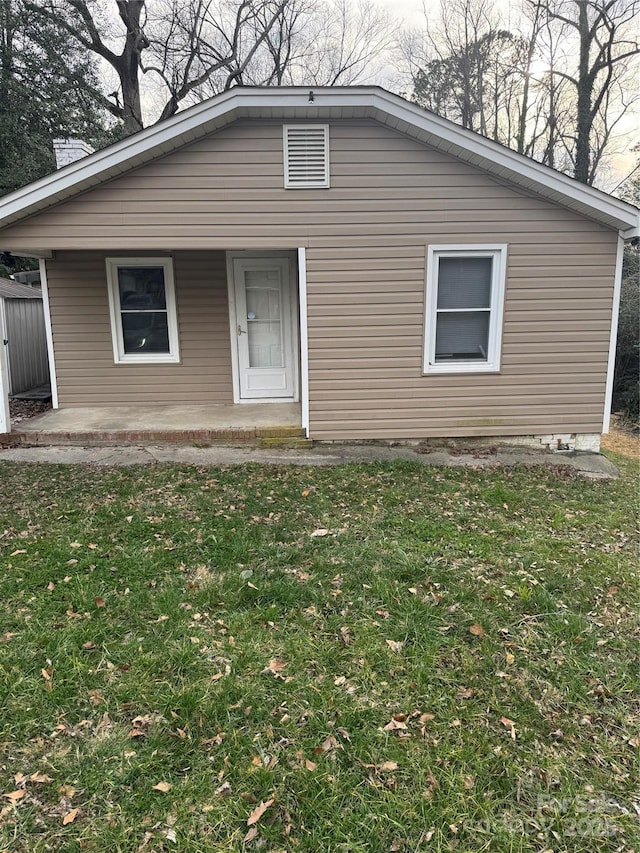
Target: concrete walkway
x=588, y=465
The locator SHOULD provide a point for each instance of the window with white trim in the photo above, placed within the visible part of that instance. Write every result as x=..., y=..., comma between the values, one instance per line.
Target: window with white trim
x=143, y=310
x=464, y=306
x=306, y=156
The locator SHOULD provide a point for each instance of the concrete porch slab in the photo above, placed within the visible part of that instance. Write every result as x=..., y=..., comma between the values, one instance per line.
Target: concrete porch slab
x=101, y=425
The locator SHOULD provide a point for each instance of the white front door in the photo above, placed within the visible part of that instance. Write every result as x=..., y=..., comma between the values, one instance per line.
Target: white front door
x=263, y=327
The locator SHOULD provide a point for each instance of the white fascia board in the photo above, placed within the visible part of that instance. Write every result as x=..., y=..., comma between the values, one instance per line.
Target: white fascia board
x=292, y=102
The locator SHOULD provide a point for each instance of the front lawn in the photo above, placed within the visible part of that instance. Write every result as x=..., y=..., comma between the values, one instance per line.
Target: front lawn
x=364, y=658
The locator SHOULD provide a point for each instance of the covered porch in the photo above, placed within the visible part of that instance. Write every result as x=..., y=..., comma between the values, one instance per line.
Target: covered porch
x=206, y=423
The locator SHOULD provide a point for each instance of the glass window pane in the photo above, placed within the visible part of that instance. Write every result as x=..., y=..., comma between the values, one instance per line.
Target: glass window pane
x=464, y=282
x=141, y=288
x=462, y=337
x=145, y=332
x=265, y=343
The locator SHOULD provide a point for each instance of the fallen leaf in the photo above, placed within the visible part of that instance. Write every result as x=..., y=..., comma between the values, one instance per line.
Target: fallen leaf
x=259, y=810
x=346, y=636
x=19, y=551
x=465, y=693
x=51, y=586
x=310, y=765
x=100, y=602
x=164, y=787
x=274, y=667
x=224, y=790
x=14, y=796
x=394, y=726
x=331, y=743
x=387, y=766
x=395, y=645
x=40, y=777
x=510, y=658
x=477, y=630
x=509, y=724
x=321, y=531
x=70, y=817
x=251, y=835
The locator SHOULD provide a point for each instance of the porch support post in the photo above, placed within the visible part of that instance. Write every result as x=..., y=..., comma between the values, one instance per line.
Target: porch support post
x=615, y=312
x=5, y=420
x=304, y=339
x=49, y=333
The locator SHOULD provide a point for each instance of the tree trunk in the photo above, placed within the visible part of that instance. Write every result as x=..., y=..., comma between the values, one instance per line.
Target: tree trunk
x=585, y=89
x=128, y=63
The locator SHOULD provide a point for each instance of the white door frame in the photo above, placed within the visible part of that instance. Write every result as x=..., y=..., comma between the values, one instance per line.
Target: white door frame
x=291, y=256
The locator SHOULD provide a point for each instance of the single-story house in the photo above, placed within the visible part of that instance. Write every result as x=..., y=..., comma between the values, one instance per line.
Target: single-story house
x=396, y=275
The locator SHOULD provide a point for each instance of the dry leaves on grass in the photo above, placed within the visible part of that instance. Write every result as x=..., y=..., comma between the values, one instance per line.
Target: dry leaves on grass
x=477, y=630
x=14, y=796
x=259, y=810
x=274, y=667
x=163, y=787
x=70, y=817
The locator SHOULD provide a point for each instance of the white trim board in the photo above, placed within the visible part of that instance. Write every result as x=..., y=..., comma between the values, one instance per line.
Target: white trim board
x=615, y=312
x=5, y=419
x=49, y=333
x=330, y=103
x=304, y=339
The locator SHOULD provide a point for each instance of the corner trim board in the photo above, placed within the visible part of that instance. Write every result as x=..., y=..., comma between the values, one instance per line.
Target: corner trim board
x=615, y=312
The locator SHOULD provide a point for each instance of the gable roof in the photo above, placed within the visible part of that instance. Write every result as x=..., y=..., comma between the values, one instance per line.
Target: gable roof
x=15, y=290
x=326, y=103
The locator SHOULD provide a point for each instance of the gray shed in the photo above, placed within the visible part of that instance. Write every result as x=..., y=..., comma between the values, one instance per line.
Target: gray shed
x=22, y=328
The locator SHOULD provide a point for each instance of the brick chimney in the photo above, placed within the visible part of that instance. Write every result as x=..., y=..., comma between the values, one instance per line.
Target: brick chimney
x=69, y=150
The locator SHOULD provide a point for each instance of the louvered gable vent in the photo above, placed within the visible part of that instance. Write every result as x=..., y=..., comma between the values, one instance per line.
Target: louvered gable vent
x=306, y=156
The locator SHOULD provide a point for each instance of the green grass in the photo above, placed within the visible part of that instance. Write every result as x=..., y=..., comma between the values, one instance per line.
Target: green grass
x=140, y=608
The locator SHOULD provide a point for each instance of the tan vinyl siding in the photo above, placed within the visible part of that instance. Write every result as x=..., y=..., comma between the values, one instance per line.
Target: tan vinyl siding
x=366, y=240
x=81, y=330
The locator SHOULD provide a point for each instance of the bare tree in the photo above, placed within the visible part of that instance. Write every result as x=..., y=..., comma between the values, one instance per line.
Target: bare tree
x=556, y=87
x=183, y=44
x=191, y=49
x=322, y=43
x=604, y=35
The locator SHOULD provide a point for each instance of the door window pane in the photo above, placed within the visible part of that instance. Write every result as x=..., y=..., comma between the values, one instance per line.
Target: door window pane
x=264, y=326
